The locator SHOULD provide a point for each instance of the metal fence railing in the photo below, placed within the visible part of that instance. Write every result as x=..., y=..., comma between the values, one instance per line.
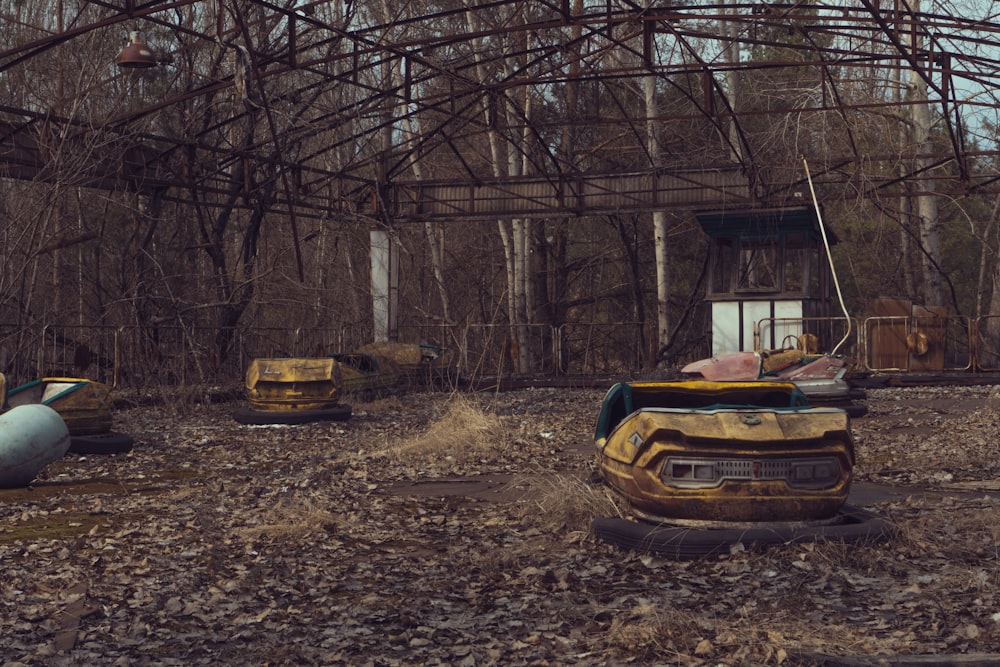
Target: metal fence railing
x=829, y=333
x=903, y=344
x=985, y=334
x=924, y=344
x=135, y=357
x=588, y=348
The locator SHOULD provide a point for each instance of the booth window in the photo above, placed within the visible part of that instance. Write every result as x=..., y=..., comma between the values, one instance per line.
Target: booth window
x=801, y=266
x=758, y=267
x=722, y=266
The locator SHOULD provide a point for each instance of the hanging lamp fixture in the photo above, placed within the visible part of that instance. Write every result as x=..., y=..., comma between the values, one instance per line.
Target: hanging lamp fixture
x=136, y=55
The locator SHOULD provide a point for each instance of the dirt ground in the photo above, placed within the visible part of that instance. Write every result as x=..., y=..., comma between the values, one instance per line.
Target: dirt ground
x=454, y=529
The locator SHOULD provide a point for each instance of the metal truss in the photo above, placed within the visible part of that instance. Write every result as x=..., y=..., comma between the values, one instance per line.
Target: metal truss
x=410, y=111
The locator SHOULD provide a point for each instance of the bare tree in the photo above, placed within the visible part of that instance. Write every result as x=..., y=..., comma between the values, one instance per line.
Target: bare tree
x=928, y=219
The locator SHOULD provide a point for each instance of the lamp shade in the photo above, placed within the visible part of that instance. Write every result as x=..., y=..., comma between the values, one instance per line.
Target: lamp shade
x=136, y=54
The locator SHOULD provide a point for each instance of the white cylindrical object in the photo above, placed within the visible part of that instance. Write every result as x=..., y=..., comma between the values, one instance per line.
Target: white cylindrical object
x=31, y=437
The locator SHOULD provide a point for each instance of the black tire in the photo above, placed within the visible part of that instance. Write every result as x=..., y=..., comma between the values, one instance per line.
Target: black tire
x=855, y=411
x=685, y=543
x=101, y=443
x=261, y=417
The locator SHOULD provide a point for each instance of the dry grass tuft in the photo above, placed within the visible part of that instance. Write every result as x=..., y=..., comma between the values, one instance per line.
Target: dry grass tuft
x=380, y=404
x=960, y=531
x=465, y=432
x=567, y=501
x=291, y=520
x=657, y=632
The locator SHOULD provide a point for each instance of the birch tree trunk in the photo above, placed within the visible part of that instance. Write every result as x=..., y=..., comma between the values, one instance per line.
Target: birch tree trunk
x=432, y=231
x=522, y=254
x=513, y=233
x=731, y=54
x=926, y=206
x=659, y=219
x=988, y=356
x=904, y=199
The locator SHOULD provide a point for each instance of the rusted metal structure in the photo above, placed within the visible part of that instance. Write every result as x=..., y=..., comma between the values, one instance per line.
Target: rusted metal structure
x=333, y=88
x=378, y=114
x=770, y=265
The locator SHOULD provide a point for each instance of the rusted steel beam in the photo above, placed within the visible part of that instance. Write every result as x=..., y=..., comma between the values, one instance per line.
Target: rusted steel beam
x=581, y=194
x=569, y=43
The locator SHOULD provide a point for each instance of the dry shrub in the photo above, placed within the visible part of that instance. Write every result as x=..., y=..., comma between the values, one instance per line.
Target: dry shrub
x=656, y=631
x=564, y=501
x=381, y=404
x=464, y=433
x=863, y=555
x=291, y=519
x=489, y=565
x=653, y=631
x=659, y=632
x=959, y=530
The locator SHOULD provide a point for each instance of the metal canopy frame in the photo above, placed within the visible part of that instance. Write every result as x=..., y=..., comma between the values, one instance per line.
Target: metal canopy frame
x=331, y=88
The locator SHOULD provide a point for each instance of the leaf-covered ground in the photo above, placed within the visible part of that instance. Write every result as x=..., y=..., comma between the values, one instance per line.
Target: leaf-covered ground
x=437, y=528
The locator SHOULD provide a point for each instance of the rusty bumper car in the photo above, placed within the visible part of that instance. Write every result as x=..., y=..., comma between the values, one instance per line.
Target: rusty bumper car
x=821, y=377
x=368, y=376
x=704, y=465
x=84, y=405
x=293, y=391
x=418, y=364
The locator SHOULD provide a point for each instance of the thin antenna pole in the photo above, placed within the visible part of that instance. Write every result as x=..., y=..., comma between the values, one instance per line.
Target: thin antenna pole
x=829, y=257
